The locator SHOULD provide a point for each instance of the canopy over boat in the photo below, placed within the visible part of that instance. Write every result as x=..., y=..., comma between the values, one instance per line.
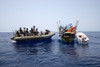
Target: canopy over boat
x=28, y=38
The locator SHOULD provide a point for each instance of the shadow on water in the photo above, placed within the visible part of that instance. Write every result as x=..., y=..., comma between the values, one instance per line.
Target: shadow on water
x=34, y=41
x=51, y=46
x=68, y=48
x=83, y=45
x=33, y=47
x=66, y=43
x=74, y=49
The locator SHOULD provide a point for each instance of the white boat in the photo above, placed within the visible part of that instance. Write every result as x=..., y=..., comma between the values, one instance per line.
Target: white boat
x=32, y=38
x=82, y=38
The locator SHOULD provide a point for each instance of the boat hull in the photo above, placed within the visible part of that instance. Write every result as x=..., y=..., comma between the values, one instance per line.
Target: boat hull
x=82, y=38
x=33, y=38
x=68, y=39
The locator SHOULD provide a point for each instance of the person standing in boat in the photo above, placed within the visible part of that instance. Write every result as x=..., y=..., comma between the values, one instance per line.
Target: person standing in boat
x=17, y=34
x=47, y=32
x=41, y=33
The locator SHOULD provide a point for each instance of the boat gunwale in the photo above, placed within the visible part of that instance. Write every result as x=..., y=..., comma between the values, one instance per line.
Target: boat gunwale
x=33, y=37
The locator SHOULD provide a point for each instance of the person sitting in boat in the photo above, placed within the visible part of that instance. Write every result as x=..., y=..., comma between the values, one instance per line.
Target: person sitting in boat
x=31, y=32
x=20, y=31
x=33, y=29
x=17, y=34
x=36, y=32
x=24, y=32
x=47, y=32
x=27, y=33
x=41, y=33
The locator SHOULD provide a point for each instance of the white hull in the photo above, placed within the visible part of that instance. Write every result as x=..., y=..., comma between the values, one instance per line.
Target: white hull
x=82, y=38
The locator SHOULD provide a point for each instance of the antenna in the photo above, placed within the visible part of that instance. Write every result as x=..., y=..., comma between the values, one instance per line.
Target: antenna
x=13, y=32
x=63, y=24
x=59, y=23
x=77, y=23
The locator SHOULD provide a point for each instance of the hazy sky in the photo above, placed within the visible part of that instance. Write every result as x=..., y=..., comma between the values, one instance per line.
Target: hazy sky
x=45, y=13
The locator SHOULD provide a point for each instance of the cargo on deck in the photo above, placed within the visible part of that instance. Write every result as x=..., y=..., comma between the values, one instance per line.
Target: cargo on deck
x=67, y=32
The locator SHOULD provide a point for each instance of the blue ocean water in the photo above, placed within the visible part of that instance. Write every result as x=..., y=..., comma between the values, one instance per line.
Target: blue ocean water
x=52, y=53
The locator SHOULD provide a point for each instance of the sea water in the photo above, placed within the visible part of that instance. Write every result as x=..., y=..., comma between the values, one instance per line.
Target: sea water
x=52, y=53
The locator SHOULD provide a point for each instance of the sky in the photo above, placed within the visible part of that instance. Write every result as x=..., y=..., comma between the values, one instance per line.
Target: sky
x=44, y=14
